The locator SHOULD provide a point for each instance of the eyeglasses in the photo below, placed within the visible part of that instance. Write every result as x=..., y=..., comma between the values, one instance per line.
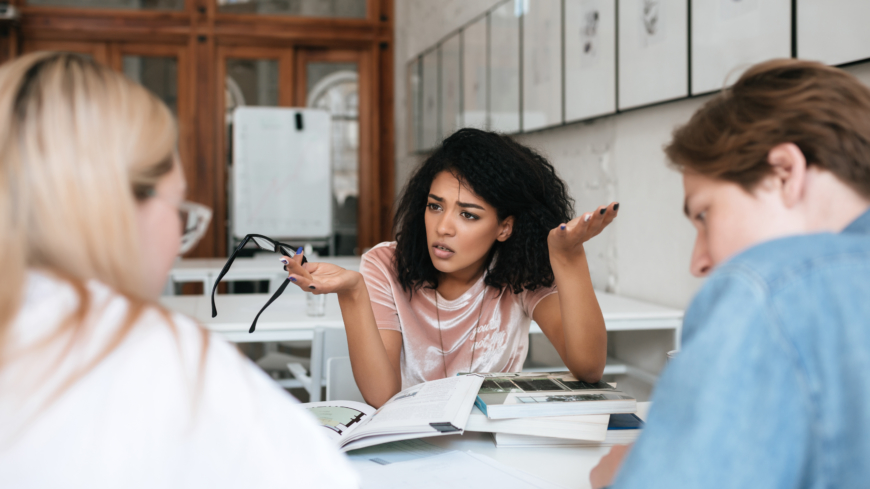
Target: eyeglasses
x=194, y=221
x=263, y=243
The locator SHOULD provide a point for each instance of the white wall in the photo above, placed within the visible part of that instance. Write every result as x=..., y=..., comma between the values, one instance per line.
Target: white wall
x=645, y=253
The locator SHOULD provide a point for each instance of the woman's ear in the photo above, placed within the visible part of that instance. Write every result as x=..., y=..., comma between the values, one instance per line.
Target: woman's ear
x=790, y=170
x=505, y=228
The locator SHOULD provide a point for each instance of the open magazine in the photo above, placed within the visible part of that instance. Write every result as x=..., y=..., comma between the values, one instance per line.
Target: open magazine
x=439, y=407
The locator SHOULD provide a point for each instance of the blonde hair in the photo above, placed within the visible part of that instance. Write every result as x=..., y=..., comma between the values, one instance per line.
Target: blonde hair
x=79, y=144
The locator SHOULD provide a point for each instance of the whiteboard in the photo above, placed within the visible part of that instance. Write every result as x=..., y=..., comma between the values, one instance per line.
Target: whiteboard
x=653, y=51
x=281, y=176
x=729, y=36
x=833, y=31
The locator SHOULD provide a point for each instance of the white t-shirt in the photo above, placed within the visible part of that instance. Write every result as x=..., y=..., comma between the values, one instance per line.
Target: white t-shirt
x=150, y=414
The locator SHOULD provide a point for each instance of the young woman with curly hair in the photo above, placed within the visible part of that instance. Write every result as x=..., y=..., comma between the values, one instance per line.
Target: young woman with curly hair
x=485, y=242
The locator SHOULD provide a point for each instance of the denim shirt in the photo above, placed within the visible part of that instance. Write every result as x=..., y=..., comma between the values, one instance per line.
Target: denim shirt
x=772, y=386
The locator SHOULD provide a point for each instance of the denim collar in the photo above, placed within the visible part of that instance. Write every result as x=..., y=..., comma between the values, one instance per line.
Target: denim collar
x=860, y=225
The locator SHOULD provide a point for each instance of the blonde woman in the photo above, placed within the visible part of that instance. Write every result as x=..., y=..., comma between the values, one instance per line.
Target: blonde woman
x=99, y=387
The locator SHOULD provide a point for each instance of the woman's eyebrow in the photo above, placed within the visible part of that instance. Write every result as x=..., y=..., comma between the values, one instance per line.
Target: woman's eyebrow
x=467, y=205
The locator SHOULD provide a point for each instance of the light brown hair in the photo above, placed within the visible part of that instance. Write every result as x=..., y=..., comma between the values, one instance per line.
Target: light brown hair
x=824, y=111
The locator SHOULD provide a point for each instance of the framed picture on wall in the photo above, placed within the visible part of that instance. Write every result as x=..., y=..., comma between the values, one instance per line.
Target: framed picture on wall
x=429, y=122
x=450, y=86
x=653, y=51
x=542, y=64
x=590, y=58
x=833, y=31
x=415, y=106
x=728, y=36
x=474, y=82
x=504, y=68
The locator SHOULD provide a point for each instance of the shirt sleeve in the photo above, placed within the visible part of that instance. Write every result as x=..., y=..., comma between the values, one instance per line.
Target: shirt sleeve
x=376, y=269
x=733, y=409
x=531, y=298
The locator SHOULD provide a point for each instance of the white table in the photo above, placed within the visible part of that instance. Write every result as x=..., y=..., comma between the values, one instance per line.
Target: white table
x=284, y=320
x=264, y=266
x=568, y=467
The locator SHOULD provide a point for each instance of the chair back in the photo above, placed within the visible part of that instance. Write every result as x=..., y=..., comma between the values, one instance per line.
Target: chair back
x=327, y=343
x=340, y=384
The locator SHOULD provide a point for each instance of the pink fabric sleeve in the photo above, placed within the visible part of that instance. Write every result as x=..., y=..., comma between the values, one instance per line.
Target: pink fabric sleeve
x=377, y=269
x=530, y=299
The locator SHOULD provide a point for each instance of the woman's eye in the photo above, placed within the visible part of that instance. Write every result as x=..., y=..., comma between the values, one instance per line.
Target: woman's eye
x=469, y=216
x=433, y=207
x=701, y=216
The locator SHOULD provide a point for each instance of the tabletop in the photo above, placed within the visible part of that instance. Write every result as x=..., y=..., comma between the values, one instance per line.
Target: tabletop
x=568, y=467
x=285, y=319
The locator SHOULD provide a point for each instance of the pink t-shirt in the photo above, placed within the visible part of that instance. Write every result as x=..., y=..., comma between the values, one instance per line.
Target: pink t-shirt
x=483, y=330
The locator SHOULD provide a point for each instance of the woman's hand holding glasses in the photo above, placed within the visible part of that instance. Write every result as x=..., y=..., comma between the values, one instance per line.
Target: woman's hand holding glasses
x=320, y=278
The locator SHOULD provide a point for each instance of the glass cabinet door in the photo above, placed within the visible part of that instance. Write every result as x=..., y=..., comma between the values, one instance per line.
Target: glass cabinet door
x=156, y=73
x=112, y=4
x=334, y=86
x=349, y=9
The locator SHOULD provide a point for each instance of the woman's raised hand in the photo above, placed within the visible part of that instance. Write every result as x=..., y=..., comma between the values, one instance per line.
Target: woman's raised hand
x=566, y=240
x=320, y=278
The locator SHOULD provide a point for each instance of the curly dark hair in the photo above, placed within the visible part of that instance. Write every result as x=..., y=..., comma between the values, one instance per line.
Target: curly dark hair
x=512, y=178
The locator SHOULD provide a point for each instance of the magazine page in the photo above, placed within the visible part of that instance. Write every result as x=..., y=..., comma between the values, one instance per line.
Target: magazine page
x=340, y=418
x=412, y=410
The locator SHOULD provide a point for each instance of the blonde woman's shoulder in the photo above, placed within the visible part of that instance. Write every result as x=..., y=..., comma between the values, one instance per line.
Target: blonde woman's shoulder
x=161, y=401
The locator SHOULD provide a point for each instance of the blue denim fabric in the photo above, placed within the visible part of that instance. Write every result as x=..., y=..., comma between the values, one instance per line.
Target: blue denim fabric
x=772, y=386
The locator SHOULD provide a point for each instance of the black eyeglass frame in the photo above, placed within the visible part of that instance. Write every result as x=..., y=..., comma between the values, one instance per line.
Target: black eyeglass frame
x=283, y=248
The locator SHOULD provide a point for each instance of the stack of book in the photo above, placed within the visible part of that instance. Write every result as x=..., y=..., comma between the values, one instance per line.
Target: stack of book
x=552, y=409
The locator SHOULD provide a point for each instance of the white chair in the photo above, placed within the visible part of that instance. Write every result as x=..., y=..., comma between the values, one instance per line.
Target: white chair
x=340, y=384
x=327, y=343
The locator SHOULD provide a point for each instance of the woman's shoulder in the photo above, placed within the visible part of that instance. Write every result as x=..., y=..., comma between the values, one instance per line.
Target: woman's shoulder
x=380, y=257
x=381, y=252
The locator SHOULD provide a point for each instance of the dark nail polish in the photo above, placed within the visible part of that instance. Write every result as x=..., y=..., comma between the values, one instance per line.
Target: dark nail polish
x=603, y=211
x=311, y=287
x=292, y=279
x=563, y=226
x=616, y=206
x=299, y=250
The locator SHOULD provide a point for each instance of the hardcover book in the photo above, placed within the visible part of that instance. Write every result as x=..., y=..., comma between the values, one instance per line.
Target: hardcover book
x=528, y=394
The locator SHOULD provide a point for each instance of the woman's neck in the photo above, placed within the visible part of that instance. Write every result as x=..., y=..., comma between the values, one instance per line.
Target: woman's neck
x=454, y=284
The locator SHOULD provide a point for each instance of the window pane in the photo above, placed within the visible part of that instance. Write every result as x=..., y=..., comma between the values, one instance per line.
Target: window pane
x=450, y=86
x=334, y=87
x=113, y=4
x=248, y=82
x=353, y=9
x=251, y=82
x=474, y=75
x=158, y=74
x=504, y=71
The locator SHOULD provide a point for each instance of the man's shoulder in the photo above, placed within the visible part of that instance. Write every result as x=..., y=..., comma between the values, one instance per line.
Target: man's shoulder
x=783, y=262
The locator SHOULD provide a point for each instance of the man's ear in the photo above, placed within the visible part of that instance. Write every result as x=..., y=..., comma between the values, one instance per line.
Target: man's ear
x=790, y=169
x=505, y=228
